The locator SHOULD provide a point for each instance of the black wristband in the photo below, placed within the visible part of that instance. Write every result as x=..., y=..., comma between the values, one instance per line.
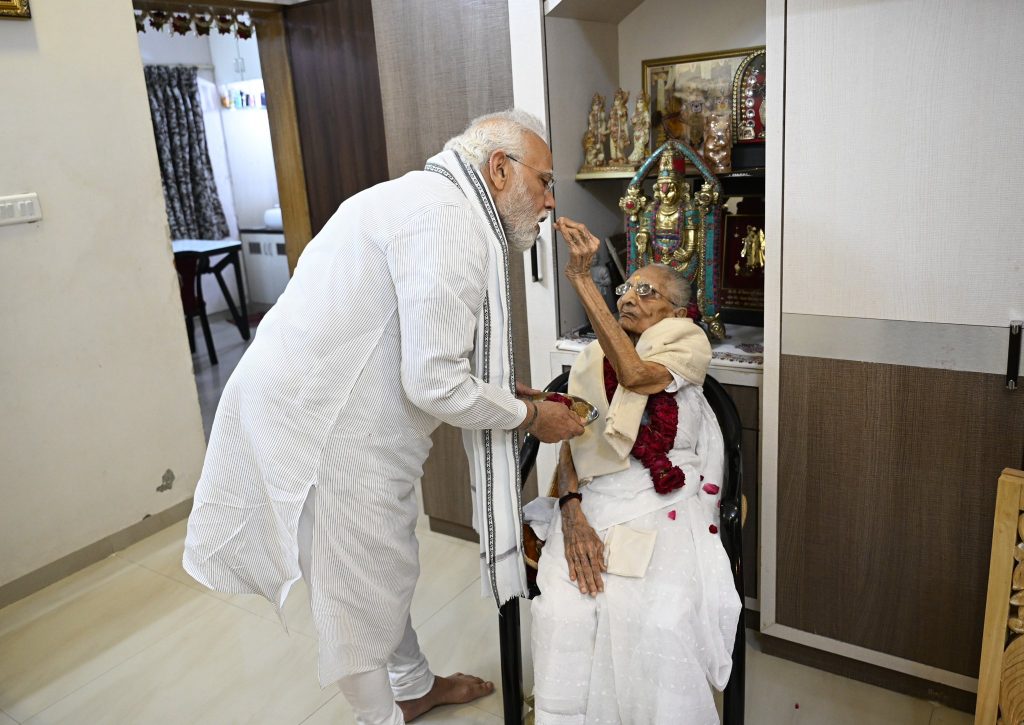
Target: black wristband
x=569, y=497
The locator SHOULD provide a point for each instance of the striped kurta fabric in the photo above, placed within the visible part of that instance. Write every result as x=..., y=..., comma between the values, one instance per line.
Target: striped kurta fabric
x=367, y=350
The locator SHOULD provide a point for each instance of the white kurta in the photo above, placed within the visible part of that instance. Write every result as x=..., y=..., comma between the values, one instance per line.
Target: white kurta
x=365, y=352
x=643, y=651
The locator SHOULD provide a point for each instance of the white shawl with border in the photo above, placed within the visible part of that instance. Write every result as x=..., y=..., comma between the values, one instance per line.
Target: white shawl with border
x=493, y=454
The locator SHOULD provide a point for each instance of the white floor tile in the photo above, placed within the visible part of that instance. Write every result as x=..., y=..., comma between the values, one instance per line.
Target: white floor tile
x=24, y=611
x=75, y=639
x=780, y=692
x=134, y=639
x=338, y=712
x=945, y=716
x=162, y=553
x=447, y=566
x=452, y=564
x=463, y=637
x=224, y=666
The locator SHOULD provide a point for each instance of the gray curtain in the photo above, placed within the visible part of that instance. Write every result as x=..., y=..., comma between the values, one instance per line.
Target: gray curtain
x=190, y=194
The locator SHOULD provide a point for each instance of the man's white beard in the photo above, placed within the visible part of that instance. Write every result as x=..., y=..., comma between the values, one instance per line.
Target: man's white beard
x=518, y=217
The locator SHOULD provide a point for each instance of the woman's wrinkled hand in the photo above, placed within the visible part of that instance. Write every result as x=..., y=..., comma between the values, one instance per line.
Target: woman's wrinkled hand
x=582, y=247
x=584, y=550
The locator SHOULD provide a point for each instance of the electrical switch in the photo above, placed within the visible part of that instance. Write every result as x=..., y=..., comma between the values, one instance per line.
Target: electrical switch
x=20, y=209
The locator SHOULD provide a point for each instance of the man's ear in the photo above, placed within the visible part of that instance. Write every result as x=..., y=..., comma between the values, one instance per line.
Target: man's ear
x=498, y=169
x=680, y=312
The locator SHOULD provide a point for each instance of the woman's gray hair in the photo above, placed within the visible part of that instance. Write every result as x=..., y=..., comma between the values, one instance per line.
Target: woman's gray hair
x=677, y=286
x=505, y=130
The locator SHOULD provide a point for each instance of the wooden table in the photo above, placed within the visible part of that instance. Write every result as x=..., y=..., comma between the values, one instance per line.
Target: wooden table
x=204, y=250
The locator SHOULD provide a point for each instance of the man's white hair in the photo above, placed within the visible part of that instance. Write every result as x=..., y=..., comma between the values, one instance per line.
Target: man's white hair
x=505, y=130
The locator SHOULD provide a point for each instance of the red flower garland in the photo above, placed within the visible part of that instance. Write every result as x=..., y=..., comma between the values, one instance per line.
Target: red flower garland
x=556, y=398
x=654, y=440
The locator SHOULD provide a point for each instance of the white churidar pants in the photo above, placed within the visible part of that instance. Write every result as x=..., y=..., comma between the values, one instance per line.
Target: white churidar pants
x=373, y=695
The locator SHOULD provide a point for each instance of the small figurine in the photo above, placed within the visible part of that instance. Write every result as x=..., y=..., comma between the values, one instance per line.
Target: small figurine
x=597, y=130
x=667, y=194
x=641, y=130
x=592, y=151
x=752, y=252
x=618, y=128
x=718, y=142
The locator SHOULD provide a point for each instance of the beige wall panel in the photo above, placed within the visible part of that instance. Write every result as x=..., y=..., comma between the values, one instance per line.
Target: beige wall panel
x=442, y=63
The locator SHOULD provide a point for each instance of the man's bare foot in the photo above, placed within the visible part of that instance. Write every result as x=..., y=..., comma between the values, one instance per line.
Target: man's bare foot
x=452, y=690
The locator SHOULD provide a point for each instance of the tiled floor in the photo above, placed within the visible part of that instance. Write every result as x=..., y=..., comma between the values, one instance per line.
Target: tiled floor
x=133, y=639
x=210, y=379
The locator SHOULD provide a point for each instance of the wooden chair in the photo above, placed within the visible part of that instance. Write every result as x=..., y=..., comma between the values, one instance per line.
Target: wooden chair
x=1001, y=674
x=732, y=539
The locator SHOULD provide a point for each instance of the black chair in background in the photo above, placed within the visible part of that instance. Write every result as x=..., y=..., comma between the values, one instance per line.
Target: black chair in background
x=731, y=531
x=509, y=634
x=191, y=284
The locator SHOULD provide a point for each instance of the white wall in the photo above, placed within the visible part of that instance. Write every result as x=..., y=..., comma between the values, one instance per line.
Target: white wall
x=224, y=49
x=582, y=58
x=246, y=131
x=251, y=158
x=162, y=48
x=664, y=28
x=95, y=374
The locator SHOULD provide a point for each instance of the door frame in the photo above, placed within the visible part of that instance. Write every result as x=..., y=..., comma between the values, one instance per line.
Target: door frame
x=272, y=43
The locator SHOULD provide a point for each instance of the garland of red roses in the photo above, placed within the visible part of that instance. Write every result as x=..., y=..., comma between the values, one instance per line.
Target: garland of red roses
x=655, y=438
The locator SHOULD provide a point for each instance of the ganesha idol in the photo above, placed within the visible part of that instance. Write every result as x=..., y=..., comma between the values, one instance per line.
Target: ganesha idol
x=676, y=227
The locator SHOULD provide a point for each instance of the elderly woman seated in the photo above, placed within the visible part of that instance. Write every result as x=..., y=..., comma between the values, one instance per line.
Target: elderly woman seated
x=637, y=613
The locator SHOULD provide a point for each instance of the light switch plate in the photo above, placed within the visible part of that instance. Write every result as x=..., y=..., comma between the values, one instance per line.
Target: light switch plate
x=20, y=209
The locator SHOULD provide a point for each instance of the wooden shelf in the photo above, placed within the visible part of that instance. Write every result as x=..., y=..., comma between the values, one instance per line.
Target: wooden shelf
x=596, y=175
x=754, y=173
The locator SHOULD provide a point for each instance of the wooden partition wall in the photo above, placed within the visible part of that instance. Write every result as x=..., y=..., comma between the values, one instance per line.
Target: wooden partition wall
x=887, y=486
x=333, y=58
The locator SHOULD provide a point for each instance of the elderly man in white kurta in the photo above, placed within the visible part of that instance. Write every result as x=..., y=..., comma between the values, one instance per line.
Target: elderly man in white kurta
x=397, y=318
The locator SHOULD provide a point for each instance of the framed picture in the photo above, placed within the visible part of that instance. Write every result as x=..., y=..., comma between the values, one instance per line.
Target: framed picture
x=748, y=102
x=14, y=9
x=684, y=89
x=740, y=288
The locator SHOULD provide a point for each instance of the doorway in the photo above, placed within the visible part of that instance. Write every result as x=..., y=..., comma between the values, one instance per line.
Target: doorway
x=218, y=49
